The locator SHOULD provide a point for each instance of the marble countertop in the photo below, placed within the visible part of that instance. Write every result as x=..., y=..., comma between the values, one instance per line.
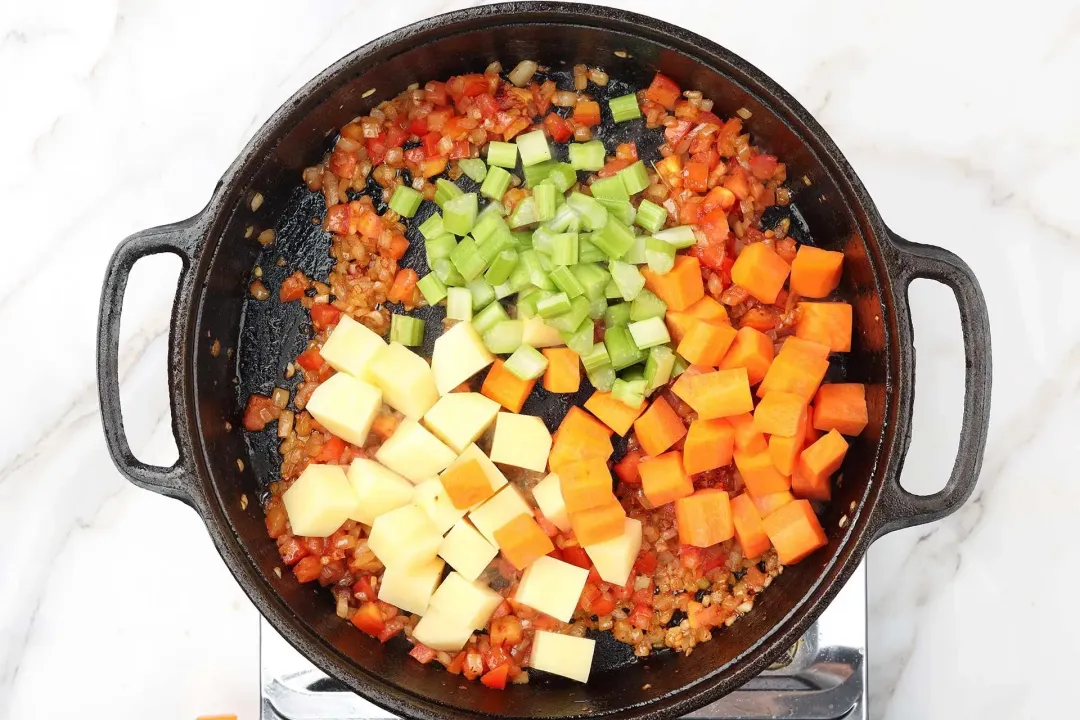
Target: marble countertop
x=120, y=116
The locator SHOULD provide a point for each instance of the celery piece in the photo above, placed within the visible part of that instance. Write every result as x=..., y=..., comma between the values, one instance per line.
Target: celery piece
x=587, y=252
x=615, y=239
x=528, y=300
x=635, y=178
x=624, y=108
x=564, y=249
x=580, y=339
x=523, y=238
x=530, y=259
x=489, y=249
x=660, y=255
x=439, y=247
x=495, y=184
x=432, y=227
x=494, y=207
x=527, y=363
x=627, y=278
x=534, y=148
x=432, y=288
x=564, y=215
x=658, y=367
x=650, y=216
x=545, y=201
x=636, y=254
x=489, y=317
x=446, y=190
x=569, y=321
x=474, y=168
x=526, y=213
x=597, y=308
x=447, y=273
x=458, y=303
x=502, y=154
x=405, y=201
x=593, y=214
x=459, y=214
x=467, y=259
x=621, y=348
x=647, y=305
x=408, y=331
x=611, y=291
x=593, y=278
x=619, y=209
x=536, y=174
x=612, y=188
x=629, y=393
x=504, y=291
x=553, y=305
x=649, y=333
x=602, y=378
x=587, y=156
x=562, y=176
x=488, y=226
x=680, y=237
x=482, y=293
x=617, y=315
x=504, y=337
x=679, y=367
x=565, y=280
x=500, y=268
x=595, y=358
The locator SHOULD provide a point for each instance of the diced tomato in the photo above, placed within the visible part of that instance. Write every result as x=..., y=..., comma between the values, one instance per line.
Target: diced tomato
x=494, y=656
x=711, y=118
x=674, y=134
x=701, y=616
x=624, y=592
x=557, y=128
x=342, y=164
x=627, y=468
x=714, y=558
x=331, y=450
x=760, y=318
x=293, y=287
x=684, y=110
x=641, y=616
x=399, y=245
x=506, y=630
x=393, y=627
x=690, y=557
x=470, y=85
x=437, y=119
x=696, y=176
x=725, y=139
x=762, y=166
x=337, y=219
x=707, y=157
x=504, y=609
x=422, y=653
x=496, y=679
x=433, y=166
x=369, y=619
x=457, y=128
x=690, y=211
x=644, y=596
x=473, y=667
x=418, y=126
x=396, y=137
x=663, y=91
x=709, y=254
x=627, y=151
x=377, y=148
x=736, y=182
x=454, y=668
x=715, y=226
x=308, y=569
x=369, y=224
x=431, y=144
x=402, y=289
x=311, y=359
x=576, y=555
x=435, y=93
x=613, y=166
x=416, y=155
x=594, y=602
x=461, y=149
x=324, y=315
x=587, y=112
x=646, y=562
x=362, y=589
x=260, y=411
x=719, y=197
x=315, y=545
x=487, y=105
x=292, y=551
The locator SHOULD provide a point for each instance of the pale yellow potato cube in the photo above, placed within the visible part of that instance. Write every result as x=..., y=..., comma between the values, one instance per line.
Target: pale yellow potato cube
x=319, y=501
x=539, y=334
x=406, y=381
x=346, y=407
x=432, y=497
x=522, y=441
x=405, y=537
x=614, y=558
x=414, y=453
x=350, y=348
x=439, y=632
x=552, y=586
x=506, y=505
x=564, y=655
x=411, y=588
x=494, y=474
x=378, y=490
x=458, y=355
x=459, y=419
x=548, y=496
x=466, y=602
x=466, y=550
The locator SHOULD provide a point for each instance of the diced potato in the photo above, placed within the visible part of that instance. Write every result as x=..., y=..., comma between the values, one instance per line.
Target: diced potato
x=553, y=587
x=405, y=537
x=439, y=632
x=548, y=496
x=350, y=348
x=406, y=381
x=458, y=355
x=564, y=655
x=414, y=453
x=346, y=407
x=614, y=558
x=378, y=490
x=522, y=441
x=433, y=498
x=459, y=419
x=494, y=474
x=466, y=550
x=319, y=501
x=466, y=602
x=497, y=511
x=411, y=588
x=539, y=334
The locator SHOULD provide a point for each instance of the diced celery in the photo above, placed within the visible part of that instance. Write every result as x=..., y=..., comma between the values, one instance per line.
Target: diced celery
x=459, y=214
x=565, y=280
x=647, y=305
x=618, y=315
x=580, y=340
x=537, y=275
x=500, y=268
x=615, y=239
x=542, y=240
x=445, y=271
x=595, y=358
x=502, y=154
x=494, y=207
x=593, y=214
x=587, y=156
x=636, y=254
x=627, y=278
x=536, y=174
x=474, y=168
x=621, y=348
x=528, y=300
x=612, y=188
x=611, y=291
x=495, y=184
x=489, y=226
x=635, y=178
x=651, y=216
x=408, y=331
x=527, y=363
x=523, y=238
x=458, y=303
x=504, y=337
x=569, y=321
x=545, y=262
x=587, y=252
x=446, y=190
x=489, y=317
x=564, y=249
x=405, y=201
x=439, y=247
x=602, y=378
x=562, y=176
x=680, y=237
x=631, y=393
x=593, y=278
x=680, y=366
x=482, y=293
x=534, y=148
x=432, y=227
x=544, y=195
x=619, y=209
x=575, y=222
x=467, y=260
x=624, y=108
x=504, y=290
x=597, y=308
x=432, y=288
x=497, y=243
x=564, y=215
x=519, y=278
x=661, y=256
x=526, y=213
x=658, y=367
x=649, y=333
x=553, y=305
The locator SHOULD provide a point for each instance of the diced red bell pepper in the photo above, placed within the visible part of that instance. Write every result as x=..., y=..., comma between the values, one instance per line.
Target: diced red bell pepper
x=393, y=627
x=487, y=105
x=416, y=155
x=641, y=616
x=293, y=287
x=369, y=619
x=715, y=226
x=690, y=556
x=473, y=666
x=674, y=134
x=362, y=590
x=516, y=127
x=736, y=182
x=762, y=166
x=402, y=289
x=311, y=359
x=557, y=128
x=496, y=679
x=323, y=315
x=431, y=144
x=470, y=85
x=399, y=245
x=627, y=468
x=690, y=211
x=308, y=569
x=396, y=137
x=587, y=112
x=627, y=151
x=646, y=562
x=461, y=149
x=613, y=166
x=331, y=450
x=433, y=166
x=292, y=551
x=576, y=555
x=377, y=148
x=454, y=668
x=437, y=119
x=696, y=177
x=418, y=126
x=663, y=91
x=260, y=411
x=422, y=653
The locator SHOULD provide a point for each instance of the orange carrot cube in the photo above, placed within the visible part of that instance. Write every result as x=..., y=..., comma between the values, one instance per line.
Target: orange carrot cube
x=616, y=414
x=759, y=474
x=718, y=394
x=752, y=350
x=825, y=323
x=795, y=531
x=659, y=428
x=813, y=472
x=841, y=407
x=467, y=484
x=708, y=308
x=600, y=523
x=705, y=342
x=747, y=438
x=679, y=288
x=749, y=530
x=815, y=272
x=709, y=445
x=663, y=479
x=780, y=413
x=760, y=271
x=506, y=388
x=522, y=541
x=768, y=504
x=704, y=518
x=585, y=484
x=563, y=374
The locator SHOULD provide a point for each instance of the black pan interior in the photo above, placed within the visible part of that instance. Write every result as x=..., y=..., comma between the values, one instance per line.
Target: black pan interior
x=262, y=337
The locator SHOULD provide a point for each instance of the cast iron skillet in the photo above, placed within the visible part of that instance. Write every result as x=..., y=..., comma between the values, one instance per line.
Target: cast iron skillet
x=834, y=211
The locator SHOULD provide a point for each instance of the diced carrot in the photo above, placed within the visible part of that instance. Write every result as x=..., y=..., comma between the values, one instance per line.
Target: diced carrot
x=678, y=324
x=760, y=271
x=747, y=438
x=759, y=474
x=815, y=272
x=752, y=350
x=598, y=524
x=816, y=465
x=467, y=484
x=578, y=422
x=784, y=451
x=780, y=413
x=842, y=407
x=768, y=504
x=797, y=369
x=704, y=518
x=802, y=348
x=718, y=394
x=627, y=468
x=707, y=308
x=679, y=288
x=749, y=530
x=522, y=541
x=616, y=414
x=563, y=374
x=506, y=388
x=663, y=479
x=825, y=323
x=794, y=531
x=585, y=484
x=659, y=428
x=580, y=437
x=811, y=432
x=709, y=445
x=706, y=342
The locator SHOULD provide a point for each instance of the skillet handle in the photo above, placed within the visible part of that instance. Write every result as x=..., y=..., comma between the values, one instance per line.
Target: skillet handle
x=181, y=239
x=899, y=508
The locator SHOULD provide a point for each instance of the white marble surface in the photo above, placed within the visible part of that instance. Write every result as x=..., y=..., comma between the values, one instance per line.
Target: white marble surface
x=964, y=122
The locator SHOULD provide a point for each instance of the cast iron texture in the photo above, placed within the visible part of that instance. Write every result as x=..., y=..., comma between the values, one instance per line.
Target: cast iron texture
x=211, y=303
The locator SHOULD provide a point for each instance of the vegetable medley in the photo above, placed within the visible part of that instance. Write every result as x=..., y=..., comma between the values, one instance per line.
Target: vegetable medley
x=418, y=491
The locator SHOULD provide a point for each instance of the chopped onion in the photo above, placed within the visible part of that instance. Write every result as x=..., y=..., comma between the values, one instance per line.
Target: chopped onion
x=581, y=77
x=280, y=396
x=564, y=98
x=523, y=73
x=598, y=76
x=495, y=67
x=285, y=423
x=266, y=237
